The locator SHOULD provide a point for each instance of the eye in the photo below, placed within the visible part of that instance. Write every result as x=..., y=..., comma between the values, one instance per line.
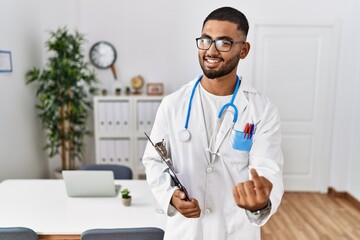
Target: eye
x=225, y=43
x=206, y=40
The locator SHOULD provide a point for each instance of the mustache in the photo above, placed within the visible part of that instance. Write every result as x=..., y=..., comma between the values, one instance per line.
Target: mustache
x=212, y=56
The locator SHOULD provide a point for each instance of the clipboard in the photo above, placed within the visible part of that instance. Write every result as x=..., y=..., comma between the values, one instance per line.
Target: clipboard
x=161, y=150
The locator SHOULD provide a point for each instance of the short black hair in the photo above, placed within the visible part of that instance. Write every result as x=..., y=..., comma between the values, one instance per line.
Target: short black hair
x=231, y=15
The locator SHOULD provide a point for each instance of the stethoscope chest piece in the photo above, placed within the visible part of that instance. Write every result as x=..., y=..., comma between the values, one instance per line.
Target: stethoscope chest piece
x=184, y=135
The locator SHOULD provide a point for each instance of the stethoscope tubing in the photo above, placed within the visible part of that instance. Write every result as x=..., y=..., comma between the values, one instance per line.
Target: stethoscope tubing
x=230, y=104
x=190, y=102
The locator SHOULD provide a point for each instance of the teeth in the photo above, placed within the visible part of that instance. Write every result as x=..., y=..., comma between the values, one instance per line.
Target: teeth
x=213, y=60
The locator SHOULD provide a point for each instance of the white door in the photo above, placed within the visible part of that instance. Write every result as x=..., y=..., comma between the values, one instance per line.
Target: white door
x=294, y=65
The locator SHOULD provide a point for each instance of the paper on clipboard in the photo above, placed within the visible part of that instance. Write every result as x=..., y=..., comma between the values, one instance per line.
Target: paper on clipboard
x=160, y=148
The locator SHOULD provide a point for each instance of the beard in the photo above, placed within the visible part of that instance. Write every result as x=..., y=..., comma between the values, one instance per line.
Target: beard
x=230, y=66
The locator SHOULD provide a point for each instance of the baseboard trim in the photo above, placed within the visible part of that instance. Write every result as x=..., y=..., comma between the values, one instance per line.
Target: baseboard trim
x=333, y=193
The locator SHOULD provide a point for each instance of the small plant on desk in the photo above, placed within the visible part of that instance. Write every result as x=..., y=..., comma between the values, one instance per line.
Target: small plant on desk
x=126, y=198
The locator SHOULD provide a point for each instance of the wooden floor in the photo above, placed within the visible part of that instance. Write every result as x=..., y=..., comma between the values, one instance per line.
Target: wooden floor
x=313, y=216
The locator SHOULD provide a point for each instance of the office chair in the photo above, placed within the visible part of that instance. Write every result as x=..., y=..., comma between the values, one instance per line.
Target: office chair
x=146, y=233
x=120, y=171
x=17, y=233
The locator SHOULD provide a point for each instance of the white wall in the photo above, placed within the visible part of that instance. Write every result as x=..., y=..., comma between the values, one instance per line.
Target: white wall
x=345, y=162
x=21, y=137
x=156, y=39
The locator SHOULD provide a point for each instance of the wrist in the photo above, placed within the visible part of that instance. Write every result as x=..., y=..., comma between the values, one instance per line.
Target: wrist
x=263, y=210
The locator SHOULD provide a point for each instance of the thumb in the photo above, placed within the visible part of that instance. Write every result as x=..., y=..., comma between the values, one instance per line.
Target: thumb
x=181, y=195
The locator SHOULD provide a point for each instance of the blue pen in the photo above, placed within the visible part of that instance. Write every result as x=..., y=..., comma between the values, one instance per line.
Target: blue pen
x=252, y=130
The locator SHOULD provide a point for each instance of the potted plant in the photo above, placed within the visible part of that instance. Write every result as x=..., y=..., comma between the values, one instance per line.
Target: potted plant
x=126, y=198
x=64, y=86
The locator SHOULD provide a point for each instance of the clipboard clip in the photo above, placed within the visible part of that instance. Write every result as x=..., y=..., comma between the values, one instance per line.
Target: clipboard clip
x=161, y=150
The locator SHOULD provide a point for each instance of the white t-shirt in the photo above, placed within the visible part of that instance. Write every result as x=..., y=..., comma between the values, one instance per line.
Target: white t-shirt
x=211, y=106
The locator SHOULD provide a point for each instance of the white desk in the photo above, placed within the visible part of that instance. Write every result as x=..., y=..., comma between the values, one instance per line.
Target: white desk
x=43, y=206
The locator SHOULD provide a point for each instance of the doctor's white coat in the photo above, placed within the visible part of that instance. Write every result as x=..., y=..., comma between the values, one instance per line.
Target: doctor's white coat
x=211, y=181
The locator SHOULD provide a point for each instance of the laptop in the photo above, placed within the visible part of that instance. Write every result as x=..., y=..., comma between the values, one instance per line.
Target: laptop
x=90, y=183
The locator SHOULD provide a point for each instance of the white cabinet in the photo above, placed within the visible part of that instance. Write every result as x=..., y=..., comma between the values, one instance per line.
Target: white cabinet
x=120, y=123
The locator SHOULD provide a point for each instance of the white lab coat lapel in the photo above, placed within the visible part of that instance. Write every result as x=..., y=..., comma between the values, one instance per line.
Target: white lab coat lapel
x=241, y=102
x=200, y=122
x=225, y=123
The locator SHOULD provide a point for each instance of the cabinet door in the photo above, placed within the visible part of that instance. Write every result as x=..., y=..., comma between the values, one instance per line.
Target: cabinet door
x=122, y=151
x=146, y=112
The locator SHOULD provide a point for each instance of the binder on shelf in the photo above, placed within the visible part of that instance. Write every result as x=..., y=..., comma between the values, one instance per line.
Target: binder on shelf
x=102, y=116
x=125, y=109
x=110, y=116
x=103, y=151
x=148, y=116
x=111, y=150
x=141, y=115
x=127, y=151
x=119, y=151
x=118, y=116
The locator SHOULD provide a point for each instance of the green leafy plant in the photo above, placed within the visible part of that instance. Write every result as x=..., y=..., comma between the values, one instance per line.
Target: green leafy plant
x=125, y=193
x=64, y=87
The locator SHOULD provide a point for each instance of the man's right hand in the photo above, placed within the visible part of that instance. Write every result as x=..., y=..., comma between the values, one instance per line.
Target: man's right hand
x=189, y=209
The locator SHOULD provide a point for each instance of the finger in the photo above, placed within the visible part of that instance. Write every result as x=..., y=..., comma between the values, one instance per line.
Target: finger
x=188, y=205
x=254, y=174
x=193, y=214
x=190, y=208
x=267, y=185
x=179, y=194
x=182, y=195
x=237, y=197
x=261, y=192
x=249, y=188
x=241, y=190
x=256, y=179
x=176, y=200
x=236, y=194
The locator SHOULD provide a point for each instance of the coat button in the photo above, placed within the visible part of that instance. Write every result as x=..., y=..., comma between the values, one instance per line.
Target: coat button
x=207, y=211
x=209, y=169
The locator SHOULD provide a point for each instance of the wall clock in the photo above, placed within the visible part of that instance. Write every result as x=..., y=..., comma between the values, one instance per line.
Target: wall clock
x=103, y=55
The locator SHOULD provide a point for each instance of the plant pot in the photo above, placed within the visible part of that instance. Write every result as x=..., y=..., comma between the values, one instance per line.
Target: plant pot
x=126, y=202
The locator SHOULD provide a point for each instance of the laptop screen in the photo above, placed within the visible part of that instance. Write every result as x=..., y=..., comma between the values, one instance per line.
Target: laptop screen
x=88, y=183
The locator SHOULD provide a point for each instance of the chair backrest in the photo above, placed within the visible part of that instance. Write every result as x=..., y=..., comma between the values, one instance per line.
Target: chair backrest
x=146, y=233
x=17, y=233
x=120, y=171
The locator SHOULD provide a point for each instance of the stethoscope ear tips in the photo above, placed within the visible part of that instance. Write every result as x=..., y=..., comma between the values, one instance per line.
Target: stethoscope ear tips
x=184, y=135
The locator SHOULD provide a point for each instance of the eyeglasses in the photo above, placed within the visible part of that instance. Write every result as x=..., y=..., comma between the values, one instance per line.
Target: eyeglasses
x=221, y=45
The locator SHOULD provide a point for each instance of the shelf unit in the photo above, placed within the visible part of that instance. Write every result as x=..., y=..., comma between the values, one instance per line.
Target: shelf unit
x=120, y=123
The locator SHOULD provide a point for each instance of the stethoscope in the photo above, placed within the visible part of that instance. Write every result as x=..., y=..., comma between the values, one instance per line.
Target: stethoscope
x=185, y=134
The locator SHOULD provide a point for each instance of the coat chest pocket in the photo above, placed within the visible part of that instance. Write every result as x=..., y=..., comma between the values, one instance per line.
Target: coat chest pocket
x=240, y=141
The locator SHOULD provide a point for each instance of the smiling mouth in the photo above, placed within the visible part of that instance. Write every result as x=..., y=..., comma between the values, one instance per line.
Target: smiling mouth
x=212, y=62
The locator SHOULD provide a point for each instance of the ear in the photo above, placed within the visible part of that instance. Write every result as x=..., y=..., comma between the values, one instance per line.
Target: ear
x=244, y=50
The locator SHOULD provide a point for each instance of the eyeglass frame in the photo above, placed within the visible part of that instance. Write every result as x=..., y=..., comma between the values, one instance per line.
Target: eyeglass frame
x=215, y=41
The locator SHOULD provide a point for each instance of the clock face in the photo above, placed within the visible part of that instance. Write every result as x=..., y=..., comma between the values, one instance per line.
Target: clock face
x=102, y=55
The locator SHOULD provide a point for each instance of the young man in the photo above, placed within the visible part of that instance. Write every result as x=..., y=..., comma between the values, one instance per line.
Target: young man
x=223, y=139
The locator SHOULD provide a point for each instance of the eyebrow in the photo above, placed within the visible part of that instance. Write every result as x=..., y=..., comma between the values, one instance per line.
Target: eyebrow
x=219, y=38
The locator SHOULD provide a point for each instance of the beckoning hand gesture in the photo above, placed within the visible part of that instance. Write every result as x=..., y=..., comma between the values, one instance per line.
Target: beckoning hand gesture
x=253, y=195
